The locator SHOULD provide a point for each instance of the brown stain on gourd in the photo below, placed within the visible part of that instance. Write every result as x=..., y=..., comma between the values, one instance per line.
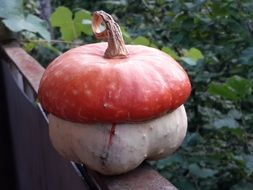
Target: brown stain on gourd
x=111, y=134
x=104, y=157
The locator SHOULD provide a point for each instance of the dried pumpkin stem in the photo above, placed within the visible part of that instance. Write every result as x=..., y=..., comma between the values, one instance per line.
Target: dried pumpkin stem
x=112, y=34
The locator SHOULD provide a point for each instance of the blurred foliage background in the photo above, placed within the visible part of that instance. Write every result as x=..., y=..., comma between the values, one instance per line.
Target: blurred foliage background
x=212, y=39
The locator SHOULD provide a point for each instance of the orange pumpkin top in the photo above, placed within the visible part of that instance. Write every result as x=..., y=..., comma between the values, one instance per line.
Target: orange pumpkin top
x=137, y=84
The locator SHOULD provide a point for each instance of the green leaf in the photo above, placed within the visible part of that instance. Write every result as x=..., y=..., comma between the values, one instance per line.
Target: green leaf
x=126, y=35
x=173, y=159
x=247, y=56
x=185, y=184
x=194, y=54
x=61, y=17
x=11, y=8
x=29, y=46
x=243, y=186
x=140, y=40
x=201, y=172
x=30, y=23
x=248, y=159
x=14, y=19
x=38, y=26
x=15, y=24
x=82, y=22
x=192, y=139
x=153, y=45
x=235, y=88
x=171, y=52
x=240, y=133
x=188, y=60
x=222, y=90
x=79, y=27
x=68, y=33
x=71, y=28
x=241, y=85
x=235, y=114
x=226, y=122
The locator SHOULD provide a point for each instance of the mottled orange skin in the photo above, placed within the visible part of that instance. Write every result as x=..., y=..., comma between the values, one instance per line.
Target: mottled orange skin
x=83, y=86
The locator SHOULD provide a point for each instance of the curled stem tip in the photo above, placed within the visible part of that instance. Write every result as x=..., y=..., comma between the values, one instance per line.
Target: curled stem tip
x=112, y=34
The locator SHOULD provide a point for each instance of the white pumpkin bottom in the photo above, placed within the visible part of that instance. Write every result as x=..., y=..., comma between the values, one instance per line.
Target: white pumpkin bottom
x=126, y=149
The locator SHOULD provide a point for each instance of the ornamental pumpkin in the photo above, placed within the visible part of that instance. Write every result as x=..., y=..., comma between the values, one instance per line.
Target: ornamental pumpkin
x=113, y=105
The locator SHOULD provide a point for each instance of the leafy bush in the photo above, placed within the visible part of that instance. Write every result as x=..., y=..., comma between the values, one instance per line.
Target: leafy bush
x=14, y=18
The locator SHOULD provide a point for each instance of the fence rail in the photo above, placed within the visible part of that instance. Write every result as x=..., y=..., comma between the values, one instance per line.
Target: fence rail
x=37, y=165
